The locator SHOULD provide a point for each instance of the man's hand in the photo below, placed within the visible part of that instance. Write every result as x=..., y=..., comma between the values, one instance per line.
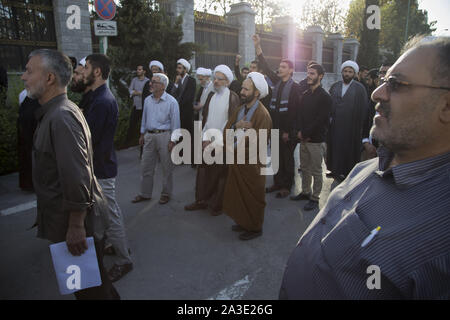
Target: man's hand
x=171, y=145
x=370, y=149
x=256, y=40
x=285, y=137
x=76, y=240
x=238, y=60
x=178, y=79
x=141, y=140
x=198, y=107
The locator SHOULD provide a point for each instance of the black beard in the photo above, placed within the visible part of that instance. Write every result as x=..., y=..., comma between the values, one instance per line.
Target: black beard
x=78, y=86
x=314, y=82
x=89, y=80
x=347, y=80
x=245, y=100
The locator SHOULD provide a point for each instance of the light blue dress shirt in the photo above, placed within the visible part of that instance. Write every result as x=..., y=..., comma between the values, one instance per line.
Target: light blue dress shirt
x=163, y=114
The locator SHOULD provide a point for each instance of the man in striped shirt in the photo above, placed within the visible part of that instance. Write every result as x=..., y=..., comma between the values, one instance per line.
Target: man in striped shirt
x=384, y=232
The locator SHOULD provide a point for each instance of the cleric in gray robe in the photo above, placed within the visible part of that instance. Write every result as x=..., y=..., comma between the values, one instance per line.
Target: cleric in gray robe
x=350, y=108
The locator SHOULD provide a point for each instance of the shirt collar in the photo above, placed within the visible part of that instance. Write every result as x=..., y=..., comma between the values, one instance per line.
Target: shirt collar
x=163, y=97
x=407, y=175
x=100, y=89
x=49, y=105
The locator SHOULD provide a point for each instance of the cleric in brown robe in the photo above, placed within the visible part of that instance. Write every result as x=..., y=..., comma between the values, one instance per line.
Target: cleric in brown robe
x=219, y=107
x=244, y=198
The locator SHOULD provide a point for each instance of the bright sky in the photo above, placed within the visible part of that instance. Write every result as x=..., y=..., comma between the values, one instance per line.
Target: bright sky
x=438, y=10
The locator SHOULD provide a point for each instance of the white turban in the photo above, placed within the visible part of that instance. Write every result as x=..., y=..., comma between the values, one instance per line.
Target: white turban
x=185, y=64
x=83, y=62
x=260, y=83
x=204, y=72
x=351, y=64
x=156, y=63
x=226, y=71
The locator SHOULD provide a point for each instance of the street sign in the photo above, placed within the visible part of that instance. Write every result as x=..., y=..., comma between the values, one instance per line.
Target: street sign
x=105, y=28
x=106, y=9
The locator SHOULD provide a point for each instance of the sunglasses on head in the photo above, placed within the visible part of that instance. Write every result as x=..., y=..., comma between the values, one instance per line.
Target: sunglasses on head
x=394, y=84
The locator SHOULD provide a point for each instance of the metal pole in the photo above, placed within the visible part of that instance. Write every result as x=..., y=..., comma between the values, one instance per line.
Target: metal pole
x=407, y=21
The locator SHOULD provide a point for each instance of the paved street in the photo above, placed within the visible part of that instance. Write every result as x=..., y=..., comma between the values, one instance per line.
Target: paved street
x=177, y=254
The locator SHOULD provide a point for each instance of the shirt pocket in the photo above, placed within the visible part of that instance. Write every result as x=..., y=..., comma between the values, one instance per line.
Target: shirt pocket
x=343, y=242
x=163, y=114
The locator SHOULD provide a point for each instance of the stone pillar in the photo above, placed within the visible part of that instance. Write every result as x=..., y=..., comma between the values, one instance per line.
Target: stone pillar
x=286, y=26
x=316, y=33
x=353, y=45
x=73, y=27
x=338, y=44
x=242, y=14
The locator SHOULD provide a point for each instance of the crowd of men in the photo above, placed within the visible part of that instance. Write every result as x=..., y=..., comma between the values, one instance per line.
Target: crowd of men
x=402, y=188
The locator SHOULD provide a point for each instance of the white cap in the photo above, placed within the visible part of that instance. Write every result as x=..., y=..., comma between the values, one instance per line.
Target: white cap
x=156, y=63
x=204, y=72
x=226, y=71
x=351, y=64
x=186, y=64
x=260, y=83
x=83, y=62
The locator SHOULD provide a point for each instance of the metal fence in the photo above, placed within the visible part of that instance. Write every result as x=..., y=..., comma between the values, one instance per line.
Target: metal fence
x=220, y=41
x=24, y=27
x=328, y=59
x=272, y=46
x=303, y=54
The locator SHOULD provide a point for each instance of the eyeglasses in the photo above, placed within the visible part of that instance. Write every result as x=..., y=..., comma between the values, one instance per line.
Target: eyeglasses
x=394, y=84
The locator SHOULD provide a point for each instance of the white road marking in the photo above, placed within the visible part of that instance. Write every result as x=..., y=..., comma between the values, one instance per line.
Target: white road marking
x=236, y=291
x=19, y=208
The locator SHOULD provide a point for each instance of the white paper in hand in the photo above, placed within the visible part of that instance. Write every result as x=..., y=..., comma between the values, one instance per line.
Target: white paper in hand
x=75, y=273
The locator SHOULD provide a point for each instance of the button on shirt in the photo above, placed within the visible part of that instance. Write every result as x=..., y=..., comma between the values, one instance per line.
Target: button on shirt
x=162, y=114
x=411, y=204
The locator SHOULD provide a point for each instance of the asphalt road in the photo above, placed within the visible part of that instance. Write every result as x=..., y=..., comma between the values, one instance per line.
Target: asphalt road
x=177, y=254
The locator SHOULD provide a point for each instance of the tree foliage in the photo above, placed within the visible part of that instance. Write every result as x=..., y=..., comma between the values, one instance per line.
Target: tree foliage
x=265, y=10
x=145, y=33
x=327, y=14
x=368, y=50
x=393, y=25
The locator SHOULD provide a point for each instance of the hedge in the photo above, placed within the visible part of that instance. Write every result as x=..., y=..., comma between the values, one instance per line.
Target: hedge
x=9, y=113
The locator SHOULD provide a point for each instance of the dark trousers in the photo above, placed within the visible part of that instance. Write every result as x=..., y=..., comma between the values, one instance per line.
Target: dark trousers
x=134, y=128
x=285, y=175
x=25, y=162
x=106, y=290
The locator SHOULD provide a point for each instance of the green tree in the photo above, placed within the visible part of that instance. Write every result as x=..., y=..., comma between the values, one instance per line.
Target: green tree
x=393, y=25
x=146, y=33
x=266, y=10
x=327, y=14
x=368, y=53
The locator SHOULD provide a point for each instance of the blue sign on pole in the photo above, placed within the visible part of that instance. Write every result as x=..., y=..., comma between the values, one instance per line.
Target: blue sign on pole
x=106, y=9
